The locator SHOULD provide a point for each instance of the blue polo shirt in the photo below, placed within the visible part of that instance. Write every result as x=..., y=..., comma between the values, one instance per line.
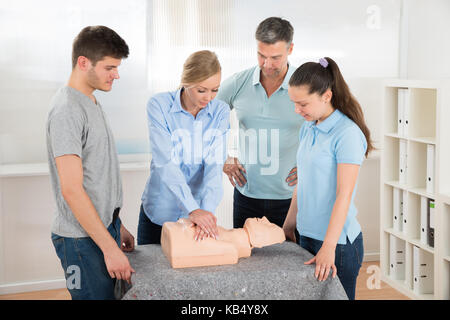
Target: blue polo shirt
x=336, y=140
x=268, y=133
x=187, y=157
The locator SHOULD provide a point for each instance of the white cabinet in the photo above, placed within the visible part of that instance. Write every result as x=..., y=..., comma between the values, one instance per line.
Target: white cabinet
x=415, y=188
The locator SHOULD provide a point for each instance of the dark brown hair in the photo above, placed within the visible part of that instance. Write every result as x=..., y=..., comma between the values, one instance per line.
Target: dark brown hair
x=98, y=42
x=320, y=78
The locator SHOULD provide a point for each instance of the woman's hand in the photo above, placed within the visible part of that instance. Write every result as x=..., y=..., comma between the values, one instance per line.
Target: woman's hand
x=206, y=224
x=324, y=261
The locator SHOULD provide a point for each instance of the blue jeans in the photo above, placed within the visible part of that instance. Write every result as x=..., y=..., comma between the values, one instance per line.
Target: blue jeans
x=148, y=232
x=244, y=207
x=348, y=260
x=84, y=266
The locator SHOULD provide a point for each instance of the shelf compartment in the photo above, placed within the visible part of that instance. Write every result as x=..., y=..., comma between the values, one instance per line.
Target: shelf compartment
x=422, y=113
x=391, y=156
x=391, y=110
x=417, y=165
x=446, y=226
x=444, y=145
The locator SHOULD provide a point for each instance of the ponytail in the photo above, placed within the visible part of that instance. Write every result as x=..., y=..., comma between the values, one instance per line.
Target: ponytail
x=320, y=77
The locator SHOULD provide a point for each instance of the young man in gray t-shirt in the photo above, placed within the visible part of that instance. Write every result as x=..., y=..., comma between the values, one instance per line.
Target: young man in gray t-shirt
x=87, y=233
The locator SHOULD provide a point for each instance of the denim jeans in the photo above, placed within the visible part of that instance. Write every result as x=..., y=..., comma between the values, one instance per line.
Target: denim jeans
x=244, y=207
x=148, y=232
x=348, y=260
x=84, y=266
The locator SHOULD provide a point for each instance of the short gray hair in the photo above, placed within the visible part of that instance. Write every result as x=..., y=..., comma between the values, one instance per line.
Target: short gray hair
x=274, y=29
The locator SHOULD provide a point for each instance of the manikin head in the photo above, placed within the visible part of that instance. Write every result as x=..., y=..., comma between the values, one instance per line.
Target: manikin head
x=262, y=232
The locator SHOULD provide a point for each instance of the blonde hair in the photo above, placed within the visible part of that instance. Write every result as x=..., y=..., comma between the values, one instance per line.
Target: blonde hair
x=199, y=66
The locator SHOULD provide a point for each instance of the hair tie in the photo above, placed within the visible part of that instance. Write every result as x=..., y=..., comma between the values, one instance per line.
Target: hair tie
x=323, y=62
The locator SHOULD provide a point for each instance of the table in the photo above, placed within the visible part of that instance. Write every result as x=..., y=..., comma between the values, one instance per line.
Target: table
x=275, y=272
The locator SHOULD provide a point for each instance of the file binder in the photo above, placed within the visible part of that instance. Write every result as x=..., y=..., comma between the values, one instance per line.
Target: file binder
x=397, y=258
x=422, y=271
x=403, y=161
x=400, y=112
x=404, y=211
x=397, y=221
x=403, y=111
x=430, y=168
x=424, y=220
x=430, y=222
x=406, y=111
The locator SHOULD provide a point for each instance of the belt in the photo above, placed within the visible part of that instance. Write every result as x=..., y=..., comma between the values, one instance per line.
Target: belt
x=116, y=214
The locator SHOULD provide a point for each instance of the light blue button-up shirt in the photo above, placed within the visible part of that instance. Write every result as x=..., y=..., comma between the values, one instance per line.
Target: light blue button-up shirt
x=268, y=133
x=187, y=157
x=335, y=140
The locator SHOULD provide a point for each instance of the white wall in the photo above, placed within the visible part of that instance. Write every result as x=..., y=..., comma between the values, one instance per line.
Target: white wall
x=428, y=50
x=362, y=35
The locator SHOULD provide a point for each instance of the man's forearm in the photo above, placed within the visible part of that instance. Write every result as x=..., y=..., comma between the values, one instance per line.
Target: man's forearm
x=291, y=217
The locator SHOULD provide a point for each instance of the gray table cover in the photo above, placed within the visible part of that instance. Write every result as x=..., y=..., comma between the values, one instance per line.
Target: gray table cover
x=275, y=272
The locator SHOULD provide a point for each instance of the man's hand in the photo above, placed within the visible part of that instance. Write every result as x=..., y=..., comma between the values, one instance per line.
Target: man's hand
x=126, y=239
x=292, y=177
x=289, y=232
x=233, y=169
x=118, y=265
x=206, y=224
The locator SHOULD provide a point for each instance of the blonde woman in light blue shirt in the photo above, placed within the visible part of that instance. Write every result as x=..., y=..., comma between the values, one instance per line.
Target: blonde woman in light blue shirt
x=187, y=129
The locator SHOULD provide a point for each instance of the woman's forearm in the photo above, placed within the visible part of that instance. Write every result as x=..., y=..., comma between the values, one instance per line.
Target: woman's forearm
x=337, y=220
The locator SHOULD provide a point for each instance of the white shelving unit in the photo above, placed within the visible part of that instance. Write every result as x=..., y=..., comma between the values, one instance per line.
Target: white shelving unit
x=410, y=134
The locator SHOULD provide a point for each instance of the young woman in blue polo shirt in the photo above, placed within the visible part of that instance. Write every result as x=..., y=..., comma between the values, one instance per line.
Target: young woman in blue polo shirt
x=333, y=143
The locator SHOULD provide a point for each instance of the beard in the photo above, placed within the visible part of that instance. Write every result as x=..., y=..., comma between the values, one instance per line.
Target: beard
x=274, y=73
x=95, y=82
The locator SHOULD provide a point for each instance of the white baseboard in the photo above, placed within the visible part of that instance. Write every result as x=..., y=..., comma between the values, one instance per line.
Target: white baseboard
x=21, y=287
x=371, y=256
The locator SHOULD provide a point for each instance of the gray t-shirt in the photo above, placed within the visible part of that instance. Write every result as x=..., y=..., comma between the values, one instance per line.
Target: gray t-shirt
x=76, y=125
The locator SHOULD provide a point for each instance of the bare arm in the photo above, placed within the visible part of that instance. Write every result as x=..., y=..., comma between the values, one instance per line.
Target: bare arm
x=70, y=173
x=290, y=222
x=347, y=175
